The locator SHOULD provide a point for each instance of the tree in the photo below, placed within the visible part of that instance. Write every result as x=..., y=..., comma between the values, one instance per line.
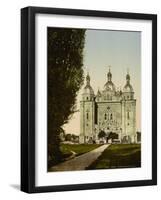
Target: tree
x=113, y=135
x=138, y=133
x=101, y=134
x=68, y=137
x=65, y=77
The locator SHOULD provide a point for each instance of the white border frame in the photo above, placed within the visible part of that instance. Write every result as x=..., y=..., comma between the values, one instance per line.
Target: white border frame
x=42, y=178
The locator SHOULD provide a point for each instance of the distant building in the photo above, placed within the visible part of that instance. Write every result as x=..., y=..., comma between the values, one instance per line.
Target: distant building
x=110, y=110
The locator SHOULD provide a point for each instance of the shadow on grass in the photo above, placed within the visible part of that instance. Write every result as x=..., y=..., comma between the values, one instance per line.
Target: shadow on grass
x=119, y=156
x=69, y=149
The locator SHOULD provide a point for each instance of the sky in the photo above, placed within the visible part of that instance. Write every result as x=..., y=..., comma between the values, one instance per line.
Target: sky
x=122, y=51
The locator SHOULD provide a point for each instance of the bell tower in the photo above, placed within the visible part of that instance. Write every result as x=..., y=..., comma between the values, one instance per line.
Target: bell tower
x=87, y=108
x=128, y=113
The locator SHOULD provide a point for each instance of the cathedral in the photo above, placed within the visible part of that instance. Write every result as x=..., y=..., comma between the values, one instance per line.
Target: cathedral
x=109, y=111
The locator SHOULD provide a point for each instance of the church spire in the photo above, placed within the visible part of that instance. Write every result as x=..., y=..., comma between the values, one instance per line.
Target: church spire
x=88, y=79
x=128, y=77
x=98, y=92
x=109, y=75
x=128, y=87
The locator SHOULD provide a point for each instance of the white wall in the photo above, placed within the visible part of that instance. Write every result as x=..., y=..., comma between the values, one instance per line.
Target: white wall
x=10, y=98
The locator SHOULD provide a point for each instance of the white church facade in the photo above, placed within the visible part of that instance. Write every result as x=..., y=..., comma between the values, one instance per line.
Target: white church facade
x=109, y=111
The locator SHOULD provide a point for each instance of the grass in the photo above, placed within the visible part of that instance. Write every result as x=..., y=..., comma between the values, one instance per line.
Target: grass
x=77, y=148
x=67, y=149
x=119, y=156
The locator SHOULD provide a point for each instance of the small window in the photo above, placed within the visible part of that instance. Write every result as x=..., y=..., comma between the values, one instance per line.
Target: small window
x=87, y=116
x=87, y=98
x=128, y=115
x=105, y=116
x=111, y=116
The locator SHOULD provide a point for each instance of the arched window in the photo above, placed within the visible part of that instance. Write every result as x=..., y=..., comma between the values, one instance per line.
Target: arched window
x=87, y=115
x=105, y=116
x=111, y=116
x=128, y=115
x=87, y=98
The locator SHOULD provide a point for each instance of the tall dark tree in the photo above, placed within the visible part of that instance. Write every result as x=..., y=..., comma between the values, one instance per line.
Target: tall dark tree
x=113, y=136
x=65, y=77
x=101, y=134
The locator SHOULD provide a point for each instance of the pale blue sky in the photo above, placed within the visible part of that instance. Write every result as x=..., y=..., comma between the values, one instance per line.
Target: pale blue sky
x=121, y=50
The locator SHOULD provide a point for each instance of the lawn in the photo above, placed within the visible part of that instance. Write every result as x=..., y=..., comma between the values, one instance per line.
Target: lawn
x=79, y=149
x=119, y=156
x=68, y=150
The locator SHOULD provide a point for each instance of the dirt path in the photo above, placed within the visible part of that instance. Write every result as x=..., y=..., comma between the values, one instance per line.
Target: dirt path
x=80, y=162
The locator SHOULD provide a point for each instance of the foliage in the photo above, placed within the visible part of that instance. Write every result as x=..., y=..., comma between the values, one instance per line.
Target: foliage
x=138, y=136
x=65, y=77
x=113, y=135
x=101, y=134
x=68, y=137
x=71, y=137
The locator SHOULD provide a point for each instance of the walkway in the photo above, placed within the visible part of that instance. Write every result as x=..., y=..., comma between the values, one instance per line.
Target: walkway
x=80, y=162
